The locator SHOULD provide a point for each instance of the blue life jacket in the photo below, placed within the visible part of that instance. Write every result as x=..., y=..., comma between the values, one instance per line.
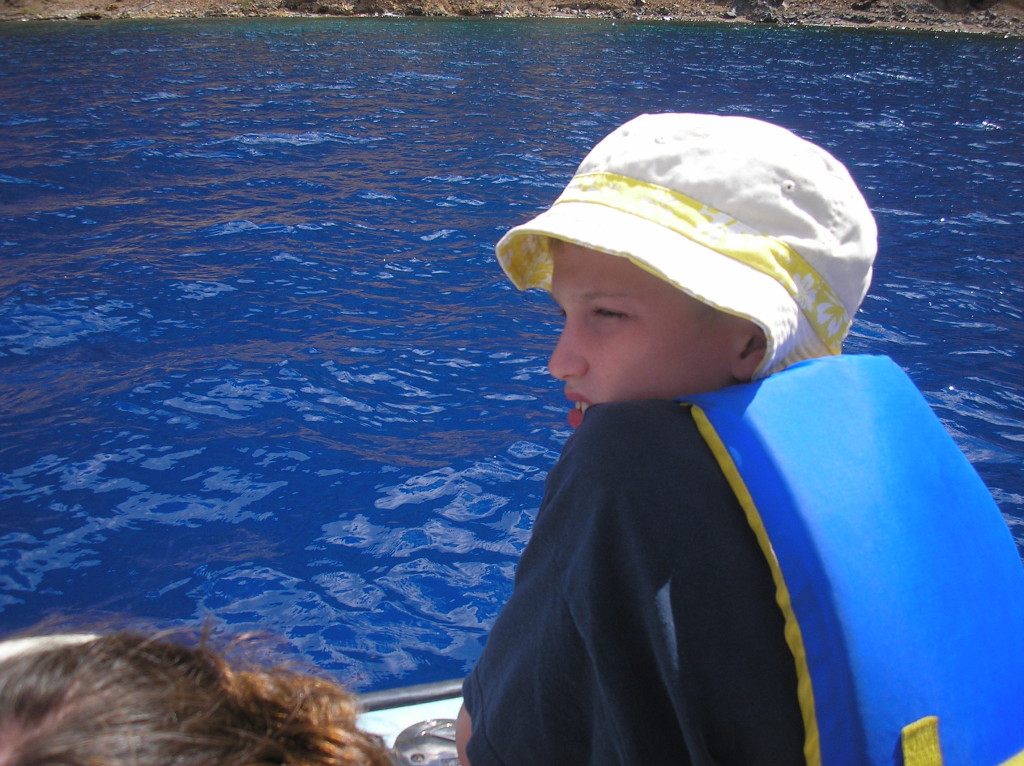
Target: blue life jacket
x=902, y=588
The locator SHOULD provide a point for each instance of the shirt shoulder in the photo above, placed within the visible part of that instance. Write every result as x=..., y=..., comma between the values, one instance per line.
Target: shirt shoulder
x=626, y=436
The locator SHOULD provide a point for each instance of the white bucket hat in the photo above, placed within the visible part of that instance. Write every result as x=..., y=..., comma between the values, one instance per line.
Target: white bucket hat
x=738, y=213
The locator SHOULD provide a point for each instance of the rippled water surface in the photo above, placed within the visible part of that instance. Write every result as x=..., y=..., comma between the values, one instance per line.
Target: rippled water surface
x=256, y=360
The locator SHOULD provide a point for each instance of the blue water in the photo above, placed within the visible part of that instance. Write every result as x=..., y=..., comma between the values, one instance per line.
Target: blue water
x=256, y=361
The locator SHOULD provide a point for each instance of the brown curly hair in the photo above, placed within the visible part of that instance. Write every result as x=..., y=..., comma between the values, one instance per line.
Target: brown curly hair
x=127, y=699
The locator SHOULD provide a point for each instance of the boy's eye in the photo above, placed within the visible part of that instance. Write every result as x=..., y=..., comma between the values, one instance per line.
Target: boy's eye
x=608, y=313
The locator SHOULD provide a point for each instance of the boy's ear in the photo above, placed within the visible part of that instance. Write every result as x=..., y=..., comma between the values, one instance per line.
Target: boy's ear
x=753, y=346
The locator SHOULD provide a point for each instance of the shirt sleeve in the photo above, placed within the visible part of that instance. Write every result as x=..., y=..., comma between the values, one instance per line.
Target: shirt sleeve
x=643, y=626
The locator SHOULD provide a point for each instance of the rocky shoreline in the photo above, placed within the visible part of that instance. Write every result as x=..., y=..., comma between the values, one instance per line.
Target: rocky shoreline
x=1003, y=18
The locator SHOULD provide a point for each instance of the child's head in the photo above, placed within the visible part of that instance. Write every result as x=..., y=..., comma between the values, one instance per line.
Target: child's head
x=738, y=214
x=125, y=698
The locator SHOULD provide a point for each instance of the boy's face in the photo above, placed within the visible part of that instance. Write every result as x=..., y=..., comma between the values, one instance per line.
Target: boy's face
x=629, y=335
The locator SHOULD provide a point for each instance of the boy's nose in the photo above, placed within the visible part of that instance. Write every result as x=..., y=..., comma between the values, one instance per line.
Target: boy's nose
x=565, y=361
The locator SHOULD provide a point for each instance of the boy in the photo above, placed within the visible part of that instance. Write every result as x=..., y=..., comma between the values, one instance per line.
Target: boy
x=688, y=253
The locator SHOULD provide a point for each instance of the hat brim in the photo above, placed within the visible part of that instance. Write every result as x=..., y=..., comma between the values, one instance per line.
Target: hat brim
x=719, y=281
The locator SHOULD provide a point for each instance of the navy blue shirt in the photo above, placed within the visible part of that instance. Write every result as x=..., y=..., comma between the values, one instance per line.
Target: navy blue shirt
x=643, y=627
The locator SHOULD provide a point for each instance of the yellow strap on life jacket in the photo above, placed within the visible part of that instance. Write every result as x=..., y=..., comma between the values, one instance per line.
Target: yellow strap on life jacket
x=1016, y=760
x=921, y=747
x=920, y=741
